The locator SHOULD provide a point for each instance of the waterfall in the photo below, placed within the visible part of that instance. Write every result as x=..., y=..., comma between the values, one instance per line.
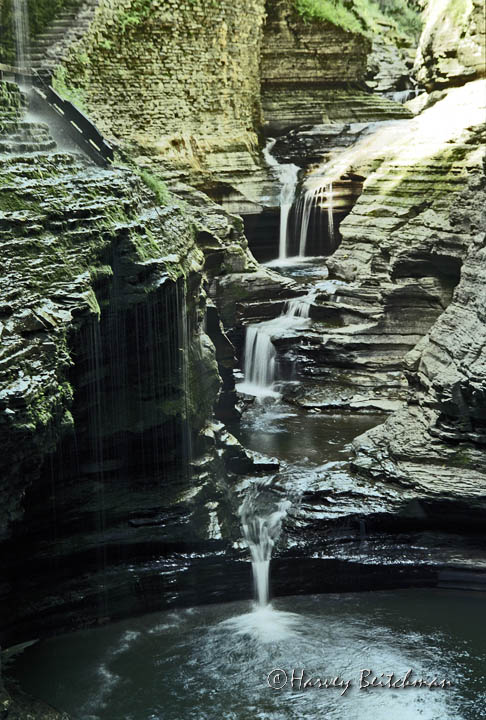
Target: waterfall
x=303, y=218
x=259, y=360
x=330, y=217
x=261, y=531
x=299, y=307
x=288, y=176
x=402, y=96
x=186, y=389
x=260, y=354
x=307, y=203
x=21, y=27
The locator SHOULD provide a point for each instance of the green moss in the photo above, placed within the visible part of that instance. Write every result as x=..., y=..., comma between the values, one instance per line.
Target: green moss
x=145, y=245
x=11, y=201
x=462, y=458
x=157, y=186
x=61, y=85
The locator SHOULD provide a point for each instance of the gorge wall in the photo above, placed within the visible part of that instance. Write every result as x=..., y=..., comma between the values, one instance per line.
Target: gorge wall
x=452, y=46
x=316, y=71
x=114, y=356
x=434, y=444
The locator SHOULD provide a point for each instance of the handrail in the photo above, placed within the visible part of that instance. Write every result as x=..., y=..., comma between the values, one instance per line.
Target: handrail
x=81, y=129
x=84, y=127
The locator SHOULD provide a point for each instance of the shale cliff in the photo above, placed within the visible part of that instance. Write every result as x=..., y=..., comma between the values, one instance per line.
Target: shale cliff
x=424, y=238
x=315, y=70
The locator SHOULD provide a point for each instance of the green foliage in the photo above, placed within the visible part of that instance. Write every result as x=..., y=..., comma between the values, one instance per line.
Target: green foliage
x=157, y=186
x=331, y=11
x=61, y=85
x=138, y=14
x=363, y=16
x=405, y=13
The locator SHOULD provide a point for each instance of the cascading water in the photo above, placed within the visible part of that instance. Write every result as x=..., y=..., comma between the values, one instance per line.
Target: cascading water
x=261, y=531
x=260, y=353
x=299, y=307
x=261, y=525
x=306, y=205
x=330, y=216
x=304, y=211
x=184, y=350
x=259, y=360
x=21, y=27
x=288, y=177
x=403, y=96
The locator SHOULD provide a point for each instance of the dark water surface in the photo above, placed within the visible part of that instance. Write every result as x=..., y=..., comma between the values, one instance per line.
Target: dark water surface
x=212, y=662
x=292, y=435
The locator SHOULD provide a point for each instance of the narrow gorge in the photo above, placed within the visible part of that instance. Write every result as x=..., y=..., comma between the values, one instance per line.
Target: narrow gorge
x=243, y=330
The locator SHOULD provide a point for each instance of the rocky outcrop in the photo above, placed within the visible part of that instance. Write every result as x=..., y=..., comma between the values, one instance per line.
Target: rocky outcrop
x=452, y=46
x=435, y=444
x=400, y=257
x=310, y=53
x=307, y=68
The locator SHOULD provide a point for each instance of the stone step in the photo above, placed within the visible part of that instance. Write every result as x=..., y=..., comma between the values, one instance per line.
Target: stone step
x=63, y=22
x=21, y=146
x=11, y=126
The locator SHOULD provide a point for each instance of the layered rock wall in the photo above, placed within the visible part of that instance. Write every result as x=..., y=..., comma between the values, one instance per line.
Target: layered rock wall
x=435, y=444
x=308, y=67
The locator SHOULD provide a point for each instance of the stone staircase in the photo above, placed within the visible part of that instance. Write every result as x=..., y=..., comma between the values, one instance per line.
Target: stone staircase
x=49, y=48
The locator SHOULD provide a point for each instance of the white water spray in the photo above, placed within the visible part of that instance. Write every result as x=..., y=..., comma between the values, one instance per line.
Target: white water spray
x=288, y=176
x=303, y=218
x=260, y=354
x=259, y=360
x=402, y=96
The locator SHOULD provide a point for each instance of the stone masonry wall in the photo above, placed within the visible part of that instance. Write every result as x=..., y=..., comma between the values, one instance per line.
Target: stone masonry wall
x=176, y=80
